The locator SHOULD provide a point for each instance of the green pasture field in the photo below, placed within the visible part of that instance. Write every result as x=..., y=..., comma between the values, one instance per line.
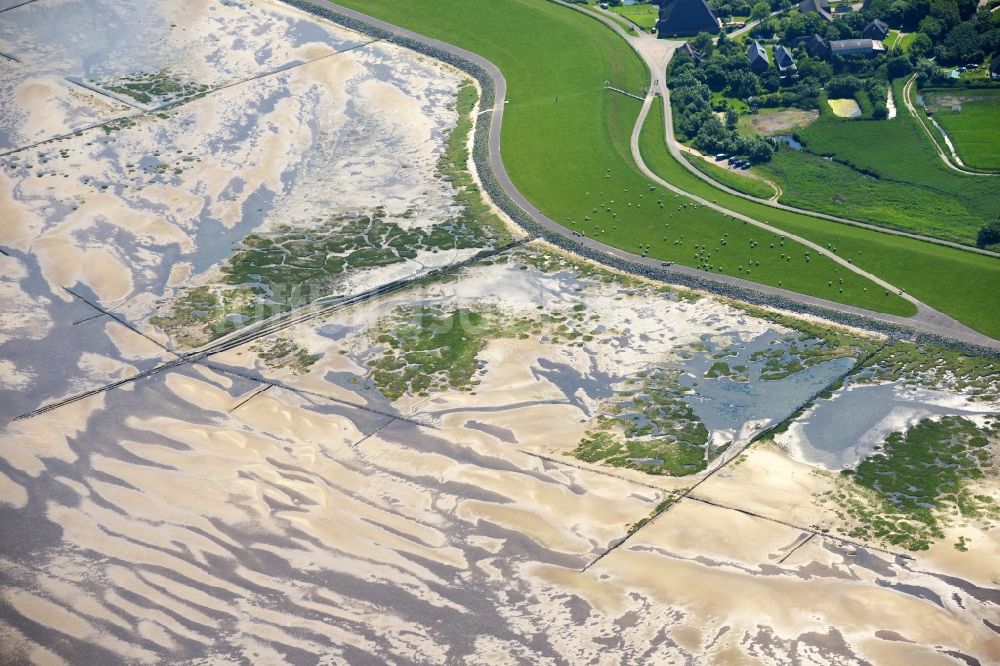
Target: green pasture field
x=975, y=130
x=953, y=281
x=914, y=190
x=555, y=169
x=814, y=183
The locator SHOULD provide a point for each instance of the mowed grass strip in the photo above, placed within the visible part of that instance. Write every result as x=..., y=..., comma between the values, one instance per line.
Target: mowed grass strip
x=961, y=284
x=565, y=144
x=975, y=131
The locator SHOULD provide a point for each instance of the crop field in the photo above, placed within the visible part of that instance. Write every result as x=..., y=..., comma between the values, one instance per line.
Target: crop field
x=555, y=170
x=885, y=172
x=975, y=130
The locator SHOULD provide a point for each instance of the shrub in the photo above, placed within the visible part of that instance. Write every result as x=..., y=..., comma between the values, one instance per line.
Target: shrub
x=989, y=234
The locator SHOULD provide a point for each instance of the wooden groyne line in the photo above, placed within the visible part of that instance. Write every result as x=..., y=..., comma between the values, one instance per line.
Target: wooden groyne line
x=307, y=313
x=273, y=383
x=759, y=436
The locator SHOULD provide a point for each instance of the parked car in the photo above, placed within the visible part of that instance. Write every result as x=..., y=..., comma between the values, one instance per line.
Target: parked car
x=745, y=166
x=733, y=160
x=720, y=157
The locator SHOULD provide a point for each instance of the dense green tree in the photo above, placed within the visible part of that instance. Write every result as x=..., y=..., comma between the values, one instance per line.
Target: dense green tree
x=844, y=86
x=928, y=71
x=770, y=80
x=815, y=70
x=989, y=234
x=761, y=10
x=898, y=65
x=921, y=46
x=702, y=42
x=732, y=118
x=961, y=45
x=933, y=27
x=743, y=84
x=946, y=11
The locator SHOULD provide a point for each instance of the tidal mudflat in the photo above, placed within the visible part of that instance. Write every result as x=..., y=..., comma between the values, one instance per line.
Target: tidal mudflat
x=263, y=128
x=528, y=458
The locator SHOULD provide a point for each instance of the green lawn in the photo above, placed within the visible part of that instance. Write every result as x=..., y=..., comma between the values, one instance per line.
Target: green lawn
x=735, y=103
x=975, y=132
x=572, y=156
x=913, y=190
x=644, y=16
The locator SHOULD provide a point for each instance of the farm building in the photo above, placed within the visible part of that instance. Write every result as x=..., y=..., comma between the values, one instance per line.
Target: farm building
x=877, y=29
x=691, y=52
x=685, y=17
x=849, y=47
x=821, y=7
x=757, y=57
x=783, y=59
x=816, y=46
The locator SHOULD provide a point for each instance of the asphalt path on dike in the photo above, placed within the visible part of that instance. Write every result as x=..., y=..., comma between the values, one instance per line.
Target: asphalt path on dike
x=926, y=320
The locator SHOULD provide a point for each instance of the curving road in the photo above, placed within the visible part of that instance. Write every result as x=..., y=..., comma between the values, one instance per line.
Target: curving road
x=671, y=140
x=955, y=164
x=644, y=45
x=659, y=51
x=656, y=54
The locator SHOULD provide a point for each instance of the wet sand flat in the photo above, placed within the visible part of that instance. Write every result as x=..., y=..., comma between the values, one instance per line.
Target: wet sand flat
x=330, y=491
